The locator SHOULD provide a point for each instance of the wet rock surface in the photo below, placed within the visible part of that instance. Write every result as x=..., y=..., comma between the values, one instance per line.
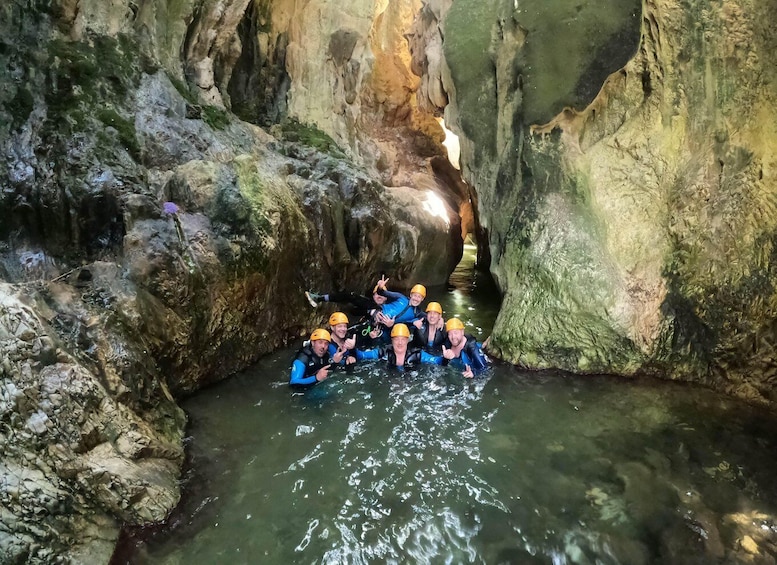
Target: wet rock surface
x=82, y=447
x=152, y=243
x=631, y=233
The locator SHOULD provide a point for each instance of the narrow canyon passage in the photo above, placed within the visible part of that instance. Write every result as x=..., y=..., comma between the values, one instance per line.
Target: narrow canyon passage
x=514, y=467
x=177, y=174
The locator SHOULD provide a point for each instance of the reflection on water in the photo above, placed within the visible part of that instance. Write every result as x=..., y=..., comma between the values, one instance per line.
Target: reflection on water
x=427, y=467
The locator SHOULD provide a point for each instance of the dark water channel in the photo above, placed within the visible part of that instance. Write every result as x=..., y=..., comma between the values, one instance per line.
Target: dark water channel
x=514, y=467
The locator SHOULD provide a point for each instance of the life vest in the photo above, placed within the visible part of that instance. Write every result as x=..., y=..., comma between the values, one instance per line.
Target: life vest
x=311, y=361
x=421, y=337
x=412, y=357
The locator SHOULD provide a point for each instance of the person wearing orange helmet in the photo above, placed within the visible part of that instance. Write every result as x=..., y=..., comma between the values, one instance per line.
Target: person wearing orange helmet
x=341, y=348
x=400, y=308
x=362, y=303
x=363, y=308
x=429, y=332
x=311, y=364
x=462, y=350
x=398, y=354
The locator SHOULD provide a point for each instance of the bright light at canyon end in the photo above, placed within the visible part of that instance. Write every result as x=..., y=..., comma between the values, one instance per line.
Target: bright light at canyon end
x=436, y=207
x=451, y=143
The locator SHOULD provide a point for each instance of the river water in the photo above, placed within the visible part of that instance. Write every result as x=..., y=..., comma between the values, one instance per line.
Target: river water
x=427, y=467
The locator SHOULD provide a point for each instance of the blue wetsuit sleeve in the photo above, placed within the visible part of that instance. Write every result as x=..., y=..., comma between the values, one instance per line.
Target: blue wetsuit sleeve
x=367, y=354
x=391, y=309
x=391, y=295
x=430, y=359
x=298, y=374
x=478, y=363
x=332, y=350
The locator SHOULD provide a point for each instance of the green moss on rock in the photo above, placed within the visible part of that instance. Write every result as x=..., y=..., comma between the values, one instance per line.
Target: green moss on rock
x=215, y=117
x=84, y=76
x=20, y=107
x=124, y=127
x=310, y=135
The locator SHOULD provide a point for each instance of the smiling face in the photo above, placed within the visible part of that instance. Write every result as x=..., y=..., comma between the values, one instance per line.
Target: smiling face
x=379, y=299
x=415, y=299
x=399, y=343
x=340, y=330
x=319, y=347
x=433, y=317
x=456, y=337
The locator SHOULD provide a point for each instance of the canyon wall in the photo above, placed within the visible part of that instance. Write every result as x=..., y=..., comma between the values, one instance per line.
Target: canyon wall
x=632, y=232
x=177, y=173
x=152, y=242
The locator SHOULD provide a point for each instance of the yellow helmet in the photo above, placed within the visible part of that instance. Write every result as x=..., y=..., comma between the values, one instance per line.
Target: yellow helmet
x=400, y=330
x=320, y=333
x=434, y=307
x=338, y=318
x=454, y=324
x=420, y=289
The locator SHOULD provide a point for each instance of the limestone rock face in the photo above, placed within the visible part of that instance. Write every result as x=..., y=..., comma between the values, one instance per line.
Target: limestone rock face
x=151, y=242
x=85, y=439
x=636, y=233
x=349, y=72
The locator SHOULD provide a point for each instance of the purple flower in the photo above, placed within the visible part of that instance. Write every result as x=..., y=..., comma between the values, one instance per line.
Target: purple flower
x=170, y=208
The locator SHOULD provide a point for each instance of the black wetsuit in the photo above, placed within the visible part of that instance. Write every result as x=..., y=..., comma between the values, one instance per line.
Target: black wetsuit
x=413, y=357
x=471, y=355
x=362, y=305
x=305, y=366
x=421, y=338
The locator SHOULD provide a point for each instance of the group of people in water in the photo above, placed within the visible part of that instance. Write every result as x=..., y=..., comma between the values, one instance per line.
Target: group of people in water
x=392, y=327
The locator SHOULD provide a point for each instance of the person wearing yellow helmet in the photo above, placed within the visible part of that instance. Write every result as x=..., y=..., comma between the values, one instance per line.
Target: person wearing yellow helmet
x=341, y=346
x=311, y=364
x=401, y=309
x=399, y=355
x=462, y=350
x=362, y=303
x=430, y=330
x=362, y=307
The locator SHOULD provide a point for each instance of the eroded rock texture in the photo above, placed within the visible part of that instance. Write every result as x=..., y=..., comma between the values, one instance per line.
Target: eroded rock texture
x=631, y=232
x=152, y=242
x=634, y=234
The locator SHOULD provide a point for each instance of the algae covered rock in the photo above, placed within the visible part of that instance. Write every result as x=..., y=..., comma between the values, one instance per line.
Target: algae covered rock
x=633, y=233
x=152, y=242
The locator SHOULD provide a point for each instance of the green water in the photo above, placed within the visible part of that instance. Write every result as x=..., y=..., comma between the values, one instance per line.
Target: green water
x=514, y=467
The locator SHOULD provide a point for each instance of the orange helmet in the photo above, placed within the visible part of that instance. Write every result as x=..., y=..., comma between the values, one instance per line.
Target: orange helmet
x=454, y=324
x=320, y=333
x=434, y=307
x=400, y=330
x=338, y=318
x=420, y=289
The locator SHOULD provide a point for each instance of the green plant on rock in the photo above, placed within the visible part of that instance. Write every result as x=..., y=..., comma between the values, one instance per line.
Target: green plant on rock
x=310, y=135
x=124, y=127
x=215, y=117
